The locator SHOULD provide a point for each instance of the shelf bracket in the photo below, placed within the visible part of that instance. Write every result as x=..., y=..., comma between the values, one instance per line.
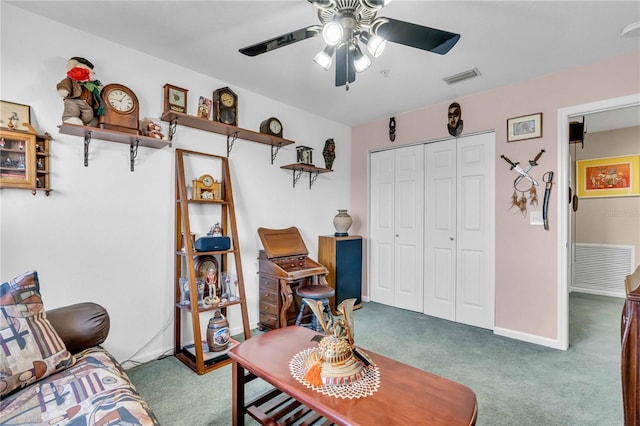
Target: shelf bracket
x=134, y=151
x=312, y=178
x=275, y=154
x=296, y=176
x=173, y=125
x=231, y=139
x=87, y=141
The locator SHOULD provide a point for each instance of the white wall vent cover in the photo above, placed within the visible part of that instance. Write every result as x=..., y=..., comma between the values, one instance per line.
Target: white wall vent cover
x=464, y=75
x=602, y=268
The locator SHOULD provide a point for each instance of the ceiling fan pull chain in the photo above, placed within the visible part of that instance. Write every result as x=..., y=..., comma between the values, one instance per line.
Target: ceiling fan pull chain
x=346, y=70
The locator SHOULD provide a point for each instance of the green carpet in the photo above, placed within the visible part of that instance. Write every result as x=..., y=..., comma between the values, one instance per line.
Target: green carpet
x=516, y=383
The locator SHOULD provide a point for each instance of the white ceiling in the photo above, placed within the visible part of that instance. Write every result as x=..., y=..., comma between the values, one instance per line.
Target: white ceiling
x=508, y=41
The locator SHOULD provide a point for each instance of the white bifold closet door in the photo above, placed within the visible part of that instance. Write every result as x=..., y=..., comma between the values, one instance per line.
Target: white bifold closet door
x=459, y=254
x=397, y=223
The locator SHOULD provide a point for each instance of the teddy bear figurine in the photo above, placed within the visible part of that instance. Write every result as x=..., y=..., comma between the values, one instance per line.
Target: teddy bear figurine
x=81, y=93
x=152, y=129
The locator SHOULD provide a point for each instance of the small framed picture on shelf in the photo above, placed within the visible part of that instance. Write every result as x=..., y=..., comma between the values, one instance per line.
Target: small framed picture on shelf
x=175, y=98
x=524, y=127
x=13, y=116
x=204, y=107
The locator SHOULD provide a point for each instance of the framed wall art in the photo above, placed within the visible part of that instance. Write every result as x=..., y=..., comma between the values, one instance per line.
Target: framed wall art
x=608, y=177
x=524, y=127
x=13, y=116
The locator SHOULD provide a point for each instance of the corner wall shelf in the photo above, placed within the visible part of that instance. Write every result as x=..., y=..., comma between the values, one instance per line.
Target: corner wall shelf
x=298, y=168
x=232, y=132
x=130, y=139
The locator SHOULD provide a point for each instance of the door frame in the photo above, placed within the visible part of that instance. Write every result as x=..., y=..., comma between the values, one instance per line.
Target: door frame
x=564, y=216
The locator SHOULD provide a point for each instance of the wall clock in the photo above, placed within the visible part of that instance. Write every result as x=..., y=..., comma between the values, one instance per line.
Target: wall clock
x=271, y=126
x=225, y=106
x=175, y=98
x=121, y=109
x=304, y=154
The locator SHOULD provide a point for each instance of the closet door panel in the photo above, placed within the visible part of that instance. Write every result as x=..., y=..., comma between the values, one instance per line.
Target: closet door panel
x=440, y=229
x=409, y=225
x=475, y=295
x=382, y=239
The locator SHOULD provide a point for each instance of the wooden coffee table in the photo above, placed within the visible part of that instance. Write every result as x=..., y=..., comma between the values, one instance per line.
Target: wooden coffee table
x=406, y=396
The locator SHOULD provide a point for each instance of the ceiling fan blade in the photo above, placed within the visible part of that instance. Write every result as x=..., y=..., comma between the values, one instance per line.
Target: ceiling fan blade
x=345, y=72
x=281, y=41
x=425, y=38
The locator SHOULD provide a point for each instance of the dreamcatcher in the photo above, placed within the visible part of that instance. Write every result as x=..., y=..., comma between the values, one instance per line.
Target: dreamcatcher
x=524, y=186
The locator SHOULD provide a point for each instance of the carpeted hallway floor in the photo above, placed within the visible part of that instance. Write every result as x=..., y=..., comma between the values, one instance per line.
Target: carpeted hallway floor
x=516, y=383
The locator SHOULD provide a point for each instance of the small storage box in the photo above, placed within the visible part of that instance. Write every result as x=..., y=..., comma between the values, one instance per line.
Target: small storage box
x=210, y=243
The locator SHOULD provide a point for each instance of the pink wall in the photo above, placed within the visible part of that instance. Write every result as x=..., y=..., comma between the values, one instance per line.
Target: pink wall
x=526, y=256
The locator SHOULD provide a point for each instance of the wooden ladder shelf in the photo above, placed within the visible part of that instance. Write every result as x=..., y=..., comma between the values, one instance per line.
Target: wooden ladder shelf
x=186, y=255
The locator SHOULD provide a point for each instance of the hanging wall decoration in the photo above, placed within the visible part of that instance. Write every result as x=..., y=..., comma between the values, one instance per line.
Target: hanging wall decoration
x=524, y=127
x=608, y=177
x=454, y=119
x=524, y=186
x=329, y=153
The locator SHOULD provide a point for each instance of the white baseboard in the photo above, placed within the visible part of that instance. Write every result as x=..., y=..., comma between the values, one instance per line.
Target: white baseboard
x=525, y=337
x=365, y=299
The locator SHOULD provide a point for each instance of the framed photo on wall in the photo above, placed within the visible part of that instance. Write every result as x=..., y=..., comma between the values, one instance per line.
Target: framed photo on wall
x=13, y=116
x=524, y=127
x=608, y=177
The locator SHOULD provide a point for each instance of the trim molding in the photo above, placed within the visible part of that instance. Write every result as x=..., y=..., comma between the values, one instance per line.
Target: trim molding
x=526, y=337
x=563, y=219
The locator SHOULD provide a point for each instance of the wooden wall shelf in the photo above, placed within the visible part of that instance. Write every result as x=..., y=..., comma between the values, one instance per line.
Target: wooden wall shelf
x=299, y=168
x=231, y=132
x=132, y=140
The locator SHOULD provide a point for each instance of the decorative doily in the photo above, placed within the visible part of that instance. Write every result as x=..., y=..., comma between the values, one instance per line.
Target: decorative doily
x=361, y=388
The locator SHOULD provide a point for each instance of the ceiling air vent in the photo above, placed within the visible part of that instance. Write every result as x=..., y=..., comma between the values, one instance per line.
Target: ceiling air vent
x=455, y=78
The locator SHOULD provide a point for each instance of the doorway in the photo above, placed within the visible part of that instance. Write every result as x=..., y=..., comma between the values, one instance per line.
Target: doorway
x=565, y=115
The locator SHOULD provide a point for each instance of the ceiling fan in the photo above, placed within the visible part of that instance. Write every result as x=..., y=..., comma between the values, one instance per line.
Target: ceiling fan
x=346, y=22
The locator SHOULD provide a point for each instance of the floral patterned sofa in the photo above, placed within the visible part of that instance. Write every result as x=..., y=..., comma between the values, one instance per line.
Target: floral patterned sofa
x=53, y=370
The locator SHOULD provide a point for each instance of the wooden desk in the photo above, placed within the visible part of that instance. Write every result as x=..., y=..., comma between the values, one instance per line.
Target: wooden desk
x=407, y=395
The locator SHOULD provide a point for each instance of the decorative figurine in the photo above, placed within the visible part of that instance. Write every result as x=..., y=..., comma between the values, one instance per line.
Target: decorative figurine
x=212, y=282
x=216, y=230
x=329, y=153
x=454, y=119
x=81, y=93
x=336, y=361
x=14, y=116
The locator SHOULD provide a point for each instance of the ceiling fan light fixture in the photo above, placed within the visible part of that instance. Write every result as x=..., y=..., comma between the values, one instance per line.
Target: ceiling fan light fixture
x=332, y=33
x=323, y=4
x=361, y=62
x=375, y=44
x=325, y=57
x=376, y=4
x=631, y=30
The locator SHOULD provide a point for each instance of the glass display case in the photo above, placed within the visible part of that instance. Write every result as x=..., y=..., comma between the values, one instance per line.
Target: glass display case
x=24, y=160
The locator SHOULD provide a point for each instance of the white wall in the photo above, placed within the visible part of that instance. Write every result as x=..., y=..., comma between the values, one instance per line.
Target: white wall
x=105, y=234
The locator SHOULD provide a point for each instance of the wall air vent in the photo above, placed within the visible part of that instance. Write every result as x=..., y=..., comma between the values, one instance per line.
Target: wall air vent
x=464, y=75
